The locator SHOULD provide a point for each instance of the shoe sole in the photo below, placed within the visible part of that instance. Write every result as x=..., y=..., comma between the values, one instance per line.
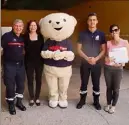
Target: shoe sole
x=111, y=112
x=62, y=107
x=96, y=108
x=38, y=104
x=106, y=110
x=20, y=109
x=79, y=107
x=12, y=114
x=31, y=104
x=52, y=107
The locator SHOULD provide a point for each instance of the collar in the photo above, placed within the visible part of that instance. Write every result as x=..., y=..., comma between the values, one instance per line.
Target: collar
x=92, y=32
x=15, y=34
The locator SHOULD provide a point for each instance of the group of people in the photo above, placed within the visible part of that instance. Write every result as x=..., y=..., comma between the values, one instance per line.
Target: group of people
x=22, y=52
x=92, y=47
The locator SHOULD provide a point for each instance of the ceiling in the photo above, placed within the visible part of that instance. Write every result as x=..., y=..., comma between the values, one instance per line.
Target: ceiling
x=40, y=4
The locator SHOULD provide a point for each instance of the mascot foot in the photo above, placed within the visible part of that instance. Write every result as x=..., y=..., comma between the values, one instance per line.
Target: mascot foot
x=63, y=104
x=53, y=104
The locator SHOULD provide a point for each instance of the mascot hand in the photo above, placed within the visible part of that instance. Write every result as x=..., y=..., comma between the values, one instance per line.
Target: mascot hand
x=69, y=56
x=47, y=54
x=58, y=55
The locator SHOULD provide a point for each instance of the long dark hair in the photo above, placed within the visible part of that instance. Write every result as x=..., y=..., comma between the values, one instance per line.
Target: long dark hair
x=28, y=27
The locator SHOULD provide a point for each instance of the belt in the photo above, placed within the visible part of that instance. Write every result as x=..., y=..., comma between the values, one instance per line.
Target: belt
x=15, y=62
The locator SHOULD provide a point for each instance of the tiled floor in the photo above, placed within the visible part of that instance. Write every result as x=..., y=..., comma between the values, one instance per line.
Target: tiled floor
x=44, y=115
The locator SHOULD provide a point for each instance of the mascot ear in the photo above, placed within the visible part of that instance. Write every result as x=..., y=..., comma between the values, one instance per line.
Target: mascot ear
x=40, y=21
x=74, y=20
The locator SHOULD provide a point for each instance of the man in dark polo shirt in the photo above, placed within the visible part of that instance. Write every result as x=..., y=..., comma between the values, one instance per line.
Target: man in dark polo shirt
x=14, y=73
x=91, y=47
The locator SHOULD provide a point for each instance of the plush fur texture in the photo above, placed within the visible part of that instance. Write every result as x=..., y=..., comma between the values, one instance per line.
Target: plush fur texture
x=58, y=27
x=57, y=55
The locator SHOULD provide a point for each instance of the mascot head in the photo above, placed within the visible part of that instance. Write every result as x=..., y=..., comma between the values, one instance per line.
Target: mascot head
x=57, y=26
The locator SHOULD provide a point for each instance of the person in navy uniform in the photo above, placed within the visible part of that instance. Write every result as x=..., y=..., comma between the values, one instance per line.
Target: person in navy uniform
x=91, y=48
x=14, y=72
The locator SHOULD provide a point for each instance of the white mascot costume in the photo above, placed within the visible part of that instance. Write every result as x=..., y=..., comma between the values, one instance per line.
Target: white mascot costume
x=58, y=55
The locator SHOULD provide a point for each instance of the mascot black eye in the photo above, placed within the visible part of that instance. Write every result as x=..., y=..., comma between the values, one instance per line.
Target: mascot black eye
x=64, y=20
x=50, y=21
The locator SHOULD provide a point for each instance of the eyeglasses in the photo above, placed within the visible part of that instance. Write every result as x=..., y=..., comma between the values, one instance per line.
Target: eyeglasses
x=115, y=30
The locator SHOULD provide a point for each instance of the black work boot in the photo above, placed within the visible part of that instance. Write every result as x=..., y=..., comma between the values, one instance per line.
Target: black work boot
x=11, y=105
x=20, y=105
x=96, y=102
x=82, y=101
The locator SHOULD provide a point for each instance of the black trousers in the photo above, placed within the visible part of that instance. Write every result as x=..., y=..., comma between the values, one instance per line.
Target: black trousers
x=14, y=77
x=85, y=71
x=32, y=67
x=113, y=77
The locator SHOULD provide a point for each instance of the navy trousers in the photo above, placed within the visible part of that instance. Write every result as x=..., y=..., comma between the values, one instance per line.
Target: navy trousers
x=14, y=77
x=95, y=71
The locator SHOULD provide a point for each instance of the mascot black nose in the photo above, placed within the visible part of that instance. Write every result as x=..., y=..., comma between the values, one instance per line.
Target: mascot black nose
x=57, y=22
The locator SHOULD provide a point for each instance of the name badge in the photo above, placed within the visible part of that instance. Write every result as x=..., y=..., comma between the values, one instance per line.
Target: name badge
x=14, y=40
x=97, y=37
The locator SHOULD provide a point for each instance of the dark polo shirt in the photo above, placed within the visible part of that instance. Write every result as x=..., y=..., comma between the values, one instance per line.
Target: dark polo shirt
x=13, y=47
x=91, y=42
